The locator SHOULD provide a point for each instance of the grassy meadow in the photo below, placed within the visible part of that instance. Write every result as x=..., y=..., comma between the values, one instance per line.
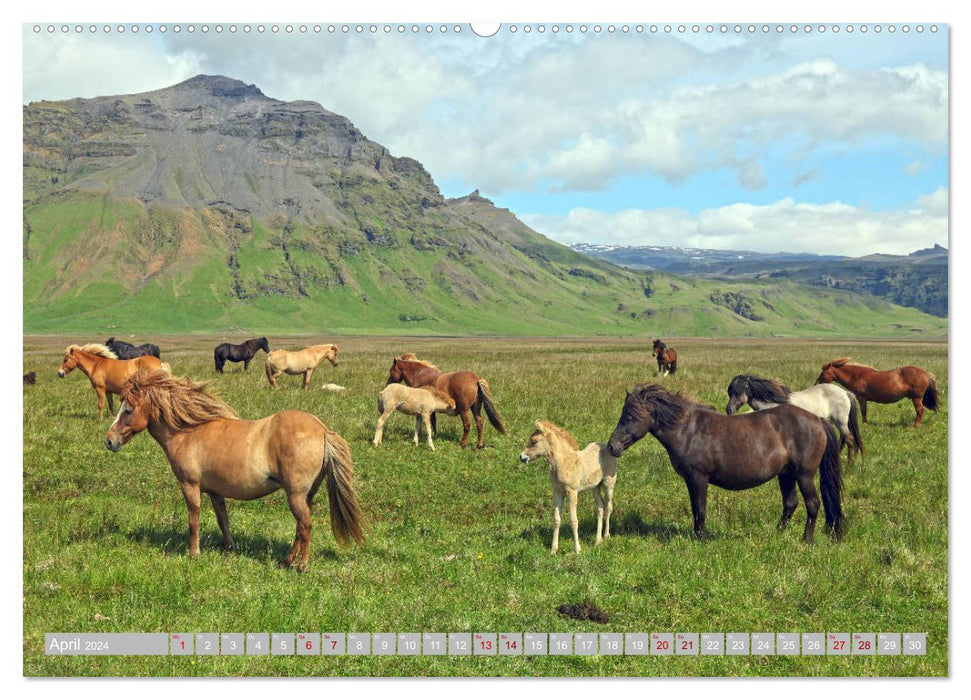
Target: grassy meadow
x=459, y=539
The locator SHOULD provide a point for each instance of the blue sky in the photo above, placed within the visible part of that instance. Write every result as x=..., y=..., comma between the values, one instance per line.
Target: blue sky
x=823, y=142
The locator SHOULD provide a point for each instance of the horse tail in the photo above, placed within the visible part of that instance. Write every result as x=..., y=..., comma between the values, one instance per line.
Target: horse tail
x=831, y=482
x=854, y=421
x=345, y=515
x=490, y=407
x=674, y=365
x=930, y=394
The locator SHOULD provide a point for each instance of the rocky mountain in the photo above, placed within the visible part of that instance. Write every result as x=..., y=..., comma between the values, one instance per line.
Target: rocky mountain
x=918, y=280
x=208, y=206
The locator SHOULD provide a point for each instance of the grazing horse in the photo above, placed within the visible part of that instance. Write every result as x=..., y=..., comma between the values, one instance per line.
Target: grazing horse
x=422, y=403
x=239, y=353
x=827, y=401
x=739, y=452
x=468, y=390
x=106, y=372
x=572, y=471
x=214, y=452
x=667, y=358
x=127, y=351
x=888, y=386
x=298, y=362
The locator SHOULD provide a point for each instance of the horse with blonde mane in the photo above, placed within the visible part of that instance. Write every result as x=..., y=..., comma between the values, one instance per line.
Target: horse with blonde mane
x=212, y=451
x=298, y=362
x=573, y=471
x=422, y=403
x=467, y=389
x=888, y=386
x=103, y=368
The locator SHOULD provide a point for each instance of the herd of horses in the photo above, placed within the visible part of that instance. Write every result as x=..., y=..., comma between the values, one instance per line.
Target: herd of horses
x=789, y=435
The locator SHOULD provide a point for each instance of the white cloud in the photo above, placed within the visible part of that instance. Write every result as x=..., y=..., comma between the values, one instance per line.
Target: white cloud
x=786, y=225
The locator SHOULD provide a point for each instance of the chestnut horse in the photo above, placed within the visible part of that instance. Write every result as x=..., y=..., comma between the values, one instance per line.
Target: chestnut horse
x=468, y=390
x=888, y=386
x=298, y=362
x=106, y=372
x=739, y=452
x=212, y=451
x=667, y=358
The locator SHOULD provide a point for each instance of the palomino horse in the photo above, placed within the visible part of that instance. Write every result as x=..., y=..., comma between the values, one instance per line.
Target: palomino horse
x=572, y=471
x=422, y=403
x=127, y=351
x=667, y=358
x=106, y=372
x=888, y=386
x=227, y=352
x=468, y=390
x=827, y=401
x=212, y=451
x=298, y=362
x=739, y=452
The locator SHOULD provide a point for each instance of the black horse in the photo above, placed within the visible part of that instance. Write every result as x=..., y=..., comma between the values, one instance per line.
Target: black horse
x=739, y=452
x=239, y=353
x=127, y=351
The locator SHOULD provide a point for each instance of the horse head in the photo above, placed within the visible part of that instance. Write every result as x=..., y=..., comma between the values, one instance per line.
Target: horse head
x=829, y=373
x=132, y=417
x=69, y=364
x=738, y=394
x=540, y=443
x=264, y=345
x=396, y=374
x=636, y=419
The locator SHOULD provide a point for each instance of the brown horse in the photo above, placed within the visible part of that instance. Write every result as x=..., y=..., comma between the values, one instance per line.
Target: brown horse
x=667, y=358
x=298, y=362
x=212, y=451
x=739, y=452
x=468, y=390
x=888, y=386
x=106, y=372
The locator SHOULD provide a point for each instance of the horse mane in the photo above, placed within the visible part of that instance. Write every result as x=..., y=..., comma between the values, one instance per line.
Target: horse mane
x=553, y=430
x=412, y=357
x=175, y=402
x=93, y=349
x=666, y=409
x=762, y=389
x=844, y=361
x=659, y=344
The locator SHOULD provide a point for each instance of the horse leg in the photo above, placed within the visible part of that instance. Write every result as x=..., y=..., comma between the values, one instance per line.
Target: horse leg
x=306, y=377
x=477, y=412
x=698, y=492
x=790, y=501
x=300, y=507
x=919, y=407
x=222, y=517
x=100, y=391
x=435, y=423
x=557, y=512
x=598, y=499
x=863, y=408
x=245, y=365
x=417, y=427
x=609, y=489
x=466, y=426
x=192, y=496
x=811, y=497
x=111, y=402
x=574, y=525
x=381, y=421
x=428, y=430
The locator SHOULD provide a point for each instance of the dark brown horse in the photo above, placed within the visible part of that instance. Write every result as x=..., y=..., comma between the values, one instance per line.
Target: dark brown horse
x=228, y=352
x=214, y=452
x=888, y=386
x=667, y=358
x=467, y=389
x=739, y=452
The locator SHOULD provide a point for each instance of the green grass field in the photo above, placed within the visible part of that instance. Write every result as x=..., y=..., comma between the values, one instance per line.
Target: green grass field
x=459, y=539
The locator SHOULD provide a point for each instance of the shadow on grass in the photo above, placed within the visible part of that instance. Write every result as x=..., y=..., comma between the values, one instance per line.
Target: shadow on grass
x=630, y=524
x=176, y=542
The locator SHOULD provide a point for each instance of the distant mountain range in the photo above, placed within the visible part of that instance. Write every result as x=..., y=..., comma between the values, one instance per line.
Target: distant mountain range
x=209, y=207
x=918, y=280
